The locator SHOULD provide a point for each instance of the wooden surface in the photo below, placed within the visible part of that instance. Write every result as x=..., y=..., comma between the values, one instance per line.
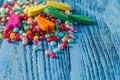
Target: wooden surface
x=95, y=55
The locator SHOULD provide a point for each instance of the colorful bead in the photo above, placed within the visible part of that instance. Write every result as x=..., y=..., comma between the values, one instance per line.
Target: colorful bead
x=56, y=50
x=35, y=47
x=53, y=43
x=70, y=40
x=52, y=54
x=1, y=36
x=12, y=35
x=36, y=38
x=16, y=30
x=26, y=28
x=47, y=52
x=60, y=46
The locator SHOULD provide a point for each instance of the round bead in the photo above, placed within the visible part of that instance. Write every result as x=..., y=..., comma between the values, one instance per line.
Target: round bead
x=29, y=32
x=30, y=37
x=1, y=36
x=16, y=30
x=35, y=47
x=61, y=34
x=41, y=37
x=64, y=39
x=70, y=40
x=9, y=40
x=24, y=40
x=36, y=38
x=47, y=52
x=60, y=46
x=52, y=54
x=17, y=37
x=49, y=39
x=64, y=44
x=55, y=38
x=21, y=32
x=39, y=30
x=52, y=43
x=26, y=28
x=47, y=35
x=12, y=35
x=56, y=50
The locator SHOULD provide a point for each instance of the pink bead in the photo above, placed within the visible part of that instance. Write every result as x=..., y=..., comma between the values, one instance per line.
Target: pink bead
x=47, y=52
x=64, y=39
x=60, y=46
x=24, y=41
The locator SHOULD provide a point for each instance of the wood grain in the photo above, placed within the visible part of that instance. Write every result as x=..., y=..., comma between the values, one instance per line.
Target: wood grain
x=95, y=55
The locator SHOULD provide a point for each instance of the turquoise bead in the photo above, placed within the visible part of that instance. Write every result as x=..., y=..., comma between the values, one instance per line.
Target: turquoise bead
x=53, y=43
x=60, y=34
x=56, y=50
x=16, y=30
x=26, y=28
x=35, y=47
x=21, y=32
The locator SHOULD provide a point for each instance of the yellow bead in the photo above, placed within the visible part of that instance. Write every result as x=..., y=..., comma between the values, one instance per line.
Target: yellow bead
x=1, y=36
x=36, y=38
x=30, y=19
x=12, y=35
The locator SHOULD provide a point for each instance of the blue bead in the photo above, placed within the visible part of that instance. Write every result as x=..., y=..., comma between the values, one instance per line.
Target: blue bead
x=16, y=30
x=56, y=50
x=60, y=34
x=53, y=43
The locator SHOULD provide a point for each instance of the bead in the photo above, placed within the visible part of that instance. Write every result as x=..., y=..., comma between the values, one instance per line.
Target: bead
x=17, y=37
x=70, y=40
x=36, y=42
x=64, y=39
x=16, y=30
x=52, y=54
x=41, y=37
x=61, y=34
x=30, y=37
x=55, y=38
x=21, y=32
x=47, y=52
x=52, y=43
x=24, y=40
x=56, y=50
x=9, y=40
x=60, y=46
x=35, y=47
x=39, y=30
x=49, y=39
x=26, y=28
x=64, y=44
x=12, y=35
x=1, y=36
x=47, y=35
x=28, y=32
x=36, y=38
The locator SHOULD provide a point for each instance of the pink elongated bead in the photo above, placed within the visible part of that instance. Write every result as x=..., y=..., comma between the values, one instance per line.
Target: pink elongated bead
x=24, y=41
x=47, y=52
x=60, y=46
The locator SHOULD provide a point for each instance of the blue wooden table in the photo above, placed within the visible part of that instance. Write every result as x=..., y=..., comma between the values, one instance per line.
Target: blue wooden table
x=95, y=55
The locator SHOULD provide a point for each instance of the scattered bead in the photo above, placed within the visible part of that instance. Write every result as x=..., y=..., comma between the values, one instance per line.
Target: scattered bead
x=52, y=54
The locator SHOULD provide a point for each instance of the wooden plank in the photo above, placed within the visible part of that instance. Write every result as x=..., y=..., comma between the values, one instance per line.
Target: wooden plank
x=94, y=55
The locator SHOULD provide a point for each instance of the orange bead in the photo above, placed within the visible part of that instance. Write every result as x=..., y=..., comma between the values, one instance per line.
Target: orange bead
x=36, y=38
x=29, y=32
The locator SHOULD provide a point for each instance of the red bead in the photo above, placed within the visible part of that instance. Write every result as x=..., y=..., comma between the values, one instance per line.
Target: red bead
x=52, y=55
x=32, y=27
x=69, y=37
x=6, y=35
x=55, y=38
x=25, y=17
x=49, y=39
x=41, y=15
x=6, y=31
x=9, y=40
x=41, y=37
x=5, y=5
x=39, y=30
x=17, y=37
x=53, y=20
x=65, y=44
x=34, y=24
x=30, y=37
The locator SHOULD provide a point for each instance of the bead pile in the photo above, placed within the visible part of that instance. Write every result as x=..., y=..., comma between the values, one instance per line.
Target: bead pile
x=19, y=22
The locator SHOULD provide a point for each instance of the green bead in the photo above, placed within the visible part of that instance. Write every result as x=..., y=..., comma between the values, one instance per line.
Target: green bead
x=1, y=31
x=47, y=35
x=16, y=30
x=26, y=28
x=67, y=22
x=17, y=12
x=70, y=40
x=14, y=9
x=35, y=47
x=3, y=24
x=51, y=34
